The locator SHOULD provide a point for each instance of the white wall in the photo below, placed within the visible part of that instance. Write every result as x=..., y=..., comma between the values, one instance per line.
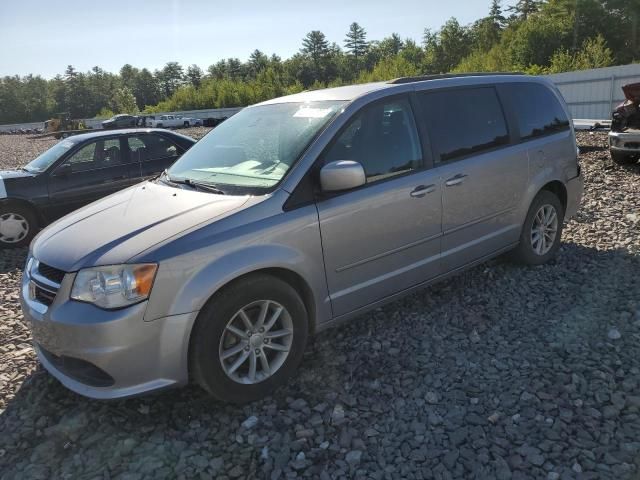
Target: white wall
x=595, y=93
x=95, y=124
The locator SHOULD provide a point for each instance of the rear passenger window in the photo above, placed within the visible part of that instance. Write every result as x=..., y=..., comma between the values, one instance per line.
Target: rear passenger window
x=151, y=147
x=462, y=122
x=382, y=138
x=537, y=110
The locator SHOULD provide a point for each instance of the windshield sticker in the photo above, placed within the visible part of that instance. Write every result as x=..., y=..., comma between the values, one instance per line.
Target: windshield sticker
x=310, y=112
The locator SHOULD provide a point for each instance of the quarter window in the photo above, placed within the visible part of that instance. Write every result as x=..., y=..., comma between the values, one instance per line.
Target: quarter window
x=462, y=122
x=537, y=110
x=382, y=138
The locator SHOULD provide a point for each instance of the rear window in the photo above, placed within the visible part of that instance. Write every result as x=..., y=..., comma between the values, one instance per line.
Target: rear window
x=537, y=110
x=465, y=121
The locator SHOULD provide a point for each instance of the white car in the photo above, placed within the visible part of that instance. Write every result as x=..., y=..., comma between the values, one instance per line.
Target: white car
x=173, y=121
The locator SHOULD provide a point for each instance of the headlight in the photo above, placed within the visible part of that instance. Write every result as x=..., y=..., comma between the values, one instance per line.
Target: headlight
x=615, y=141
x=114, y=286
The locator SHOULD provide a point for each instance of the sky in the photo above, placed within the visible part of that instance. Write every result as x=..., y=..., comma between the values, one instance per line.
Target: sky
x=43, y=37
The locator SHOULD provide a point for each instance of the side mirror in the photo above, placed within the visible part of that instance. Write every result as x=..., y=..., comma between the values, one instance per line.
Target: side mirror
x=341, y=175
x=63, y=170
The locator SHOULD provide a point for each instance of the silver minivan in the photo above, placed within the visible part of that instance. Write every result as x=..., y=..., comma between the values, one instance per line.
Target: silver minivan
x=293, y=215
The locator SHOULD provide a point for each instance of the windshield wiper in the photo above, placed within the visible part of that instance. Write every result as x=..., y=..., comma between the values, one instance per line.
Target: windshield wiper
x=194, y=184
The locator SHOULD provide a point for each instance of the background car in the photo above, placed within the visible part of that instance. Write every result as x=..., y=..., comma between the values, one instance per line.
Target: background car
x=120, y=121
x=78, y=171
x=624, y=137
x=173, y=121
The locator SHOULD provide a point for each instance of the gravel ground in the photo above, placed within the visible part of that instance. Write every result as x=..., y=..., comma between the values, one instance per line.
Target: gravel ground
x=501, y=372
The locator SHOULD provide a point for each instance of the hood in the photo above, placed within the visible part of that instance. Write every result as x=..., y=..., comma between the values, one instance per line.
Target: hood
x=114, y=229
x=632, y=92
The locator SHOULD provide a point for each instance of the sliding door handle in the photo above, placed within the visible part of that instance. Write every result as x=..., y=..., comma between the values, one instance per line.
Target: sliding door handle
x=457, y=180
x=421, y=190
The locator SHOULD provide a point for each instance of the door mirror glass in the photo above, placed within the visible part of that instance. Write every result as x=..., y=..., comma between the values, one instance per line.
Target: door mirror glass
x=341, y=175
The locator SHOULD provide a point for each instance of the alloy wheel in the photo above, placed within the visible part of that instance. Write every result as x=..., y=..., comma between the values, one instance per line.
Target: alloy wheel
x=544, y=229
x=256, y=342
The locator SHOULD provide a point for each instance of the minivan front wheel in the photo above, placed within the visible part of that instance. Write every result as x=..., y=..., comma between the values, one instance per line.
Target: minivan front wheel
x=542, y=230
x=249, y=339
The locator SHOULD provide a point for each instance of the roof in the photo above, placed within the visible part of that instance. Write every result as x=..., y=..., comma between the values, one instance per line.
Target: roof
x=121, y=131
x=351, y=92
x=347, y=93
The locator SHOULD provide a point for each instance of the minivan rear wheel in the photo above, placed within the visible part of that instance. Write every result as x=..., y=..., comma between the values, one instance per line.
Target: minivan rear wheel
x=249, y=339
x=542, y=230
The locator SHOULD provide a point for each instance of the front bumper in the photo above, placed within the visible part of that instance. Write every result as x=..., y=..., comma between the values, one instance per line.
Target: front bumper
x=625, y=142
x=107, y=354
x=575, y=190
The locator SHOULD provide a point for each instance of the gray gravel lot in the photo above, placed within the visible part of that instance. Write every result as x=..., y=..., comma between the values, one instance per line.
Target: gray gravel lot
x=501, y=372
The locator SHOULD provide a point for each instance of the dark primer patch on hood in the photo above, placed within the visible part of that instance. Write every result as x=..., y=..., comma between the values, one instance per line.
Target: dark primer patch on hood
x=9, y=174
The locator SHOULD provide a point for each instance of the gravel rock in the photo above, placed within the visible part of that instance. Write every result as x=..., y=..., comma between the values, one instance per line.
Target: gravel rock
x=500, y=372
x=614, y=334
x=250, y=422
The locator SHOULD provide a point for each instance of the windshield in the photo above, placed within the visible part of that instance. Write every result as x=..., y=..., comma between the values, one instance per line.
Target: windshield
x=48, y=158
x=256, y=147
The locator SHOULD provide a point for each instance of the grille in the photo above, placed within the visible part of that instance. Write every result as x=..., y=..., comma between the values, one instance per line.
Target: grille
x=46, y=297
x=51, y=273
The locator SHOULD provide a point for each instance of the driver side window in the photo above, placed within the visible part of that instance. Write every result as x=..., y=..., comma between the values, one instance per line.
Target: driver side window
x=382, y=138
x=100, y=154
x=84, y=159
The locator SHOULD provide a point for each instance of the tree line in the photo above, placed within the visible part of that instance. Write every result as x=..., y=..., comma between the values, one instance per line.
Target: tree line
x=532, y=36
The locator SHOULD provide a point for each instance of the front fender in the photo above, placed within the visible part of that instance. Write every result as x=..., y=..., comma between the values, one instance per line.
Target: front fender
x=184, y=283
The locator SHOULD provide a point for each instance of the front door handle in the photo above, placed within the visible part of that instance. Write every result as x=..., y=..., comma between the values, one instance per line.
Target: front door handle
x=457, y=180
x=421, y=190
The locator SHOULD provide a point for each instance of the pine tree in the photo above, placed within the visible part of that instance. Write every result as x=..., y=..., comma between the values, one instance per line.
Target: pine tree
x=315, y=45
x=524, y=8
x=356, y=41
x=495, y=13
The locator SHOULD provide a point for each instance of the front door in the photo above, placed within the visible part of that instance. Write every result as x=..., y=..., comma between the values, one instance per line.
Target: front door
x=483, y=174
x=95, y=170
x=385, y=236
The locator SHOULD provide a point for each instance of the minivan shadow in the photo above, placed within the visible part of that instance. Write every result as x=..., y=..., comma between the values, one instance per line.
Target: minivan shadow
x=467, y=336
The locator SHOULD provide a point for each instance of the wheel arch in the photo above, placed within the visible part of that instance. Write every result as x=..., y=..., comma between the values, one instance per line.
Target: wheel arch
x=558, y=189
x=292, y=278
x=26, y=204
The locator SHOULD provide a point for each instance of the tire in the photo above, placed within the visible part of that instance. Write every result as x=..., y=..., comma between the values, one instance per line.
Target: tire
x=12, y=218
x=159, y=125
x=186, y=125
x=212, y=335
x=622, y=158
x=528, y=251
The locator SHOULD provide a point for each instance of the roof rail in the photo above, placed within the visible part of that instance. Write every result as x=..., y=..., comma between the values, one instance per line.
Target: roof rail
x=421, y=78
